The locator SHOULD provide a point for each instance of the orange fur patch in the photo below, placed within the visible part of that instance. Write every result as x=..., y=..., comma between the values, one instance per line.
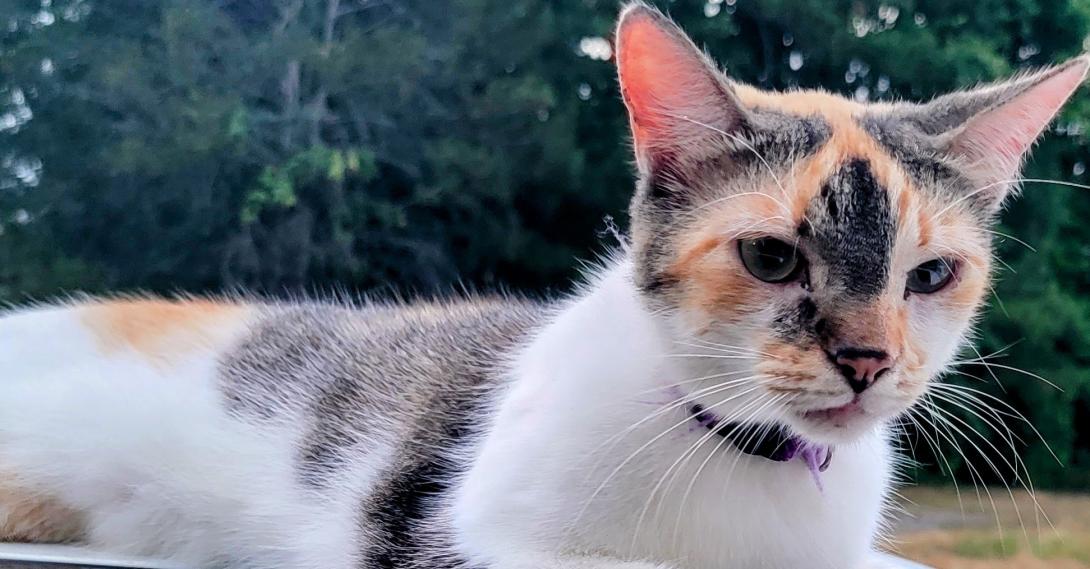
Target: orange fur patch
x=791, y=368
x=968, y=290
x=161, y=329
x=25, y=517
x=956, y=235
x=713, y=280
x=926, y=228
x=809, y=102
x=904, y=207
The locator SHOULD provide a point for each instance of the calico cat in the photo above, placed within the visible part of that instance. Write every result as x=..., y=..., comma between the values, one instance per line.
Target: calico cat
x=800, y=267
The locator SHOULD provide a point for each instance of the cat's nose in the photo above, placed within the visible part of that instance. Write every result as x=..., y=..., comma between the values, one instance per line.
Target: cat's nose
x=861, y=366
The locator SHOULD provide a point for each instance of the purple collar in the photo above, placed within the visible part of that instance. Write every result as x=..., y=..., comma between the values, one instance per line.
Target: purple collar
x=773, y=443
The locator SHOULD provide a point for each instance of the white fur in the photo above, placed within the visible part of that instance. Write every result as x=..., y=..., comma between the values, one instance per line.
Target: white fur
x=147, y=453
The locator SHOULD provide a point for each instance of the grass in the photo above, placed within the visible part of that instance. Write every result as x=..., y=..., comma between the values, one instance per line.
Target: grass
x=986, y=547
x=1064, y=547
x=946, y=533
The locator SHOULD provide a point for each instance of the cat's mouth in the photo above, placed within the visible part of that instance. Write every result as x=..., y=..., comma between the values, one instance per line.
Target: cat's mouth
x=839, y=416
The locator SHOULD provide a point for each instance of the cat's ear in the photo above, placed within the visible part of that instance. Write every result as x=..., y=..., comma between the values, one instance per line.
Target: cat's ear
x=677, y=100
x=989, y=130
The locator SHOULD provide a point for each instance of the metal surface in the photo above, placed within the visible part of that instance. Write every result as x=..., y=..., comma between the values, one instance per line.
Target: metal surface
x=34, y=556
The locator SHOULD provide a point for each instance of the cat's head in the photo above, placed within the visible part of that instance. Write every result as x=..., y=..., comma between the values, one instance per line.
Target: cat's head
x=830, y=254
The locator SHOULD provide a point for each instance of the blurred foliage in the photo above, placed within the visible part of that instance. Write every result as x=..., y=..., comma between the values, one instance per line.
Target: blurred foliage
x=281, y=145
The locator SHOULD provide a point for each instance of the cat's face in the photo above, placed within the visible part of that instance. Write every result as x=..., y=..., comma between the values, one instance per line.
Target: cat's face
x=821, y=257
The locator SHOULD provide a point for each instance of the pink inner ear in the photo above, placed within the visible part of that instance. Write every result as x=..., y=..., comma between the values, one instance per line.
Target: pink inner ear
x=994, y=141
x=663, y=77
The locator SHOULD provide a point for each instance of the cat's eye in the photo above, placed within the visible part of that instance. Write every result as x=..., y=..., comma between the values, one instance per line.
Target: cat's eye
x=930, y=277
x=770, y=260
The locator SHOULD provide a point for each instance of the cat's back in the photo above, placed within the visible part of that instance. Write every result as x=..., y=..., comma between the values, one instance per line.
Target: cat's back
x=286, y=346
x=381, y=356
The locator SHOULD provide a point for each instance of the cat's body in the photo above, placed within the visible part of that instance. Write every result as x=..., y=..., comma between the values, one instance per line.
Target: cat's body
x=471, y=434
x=801, y=268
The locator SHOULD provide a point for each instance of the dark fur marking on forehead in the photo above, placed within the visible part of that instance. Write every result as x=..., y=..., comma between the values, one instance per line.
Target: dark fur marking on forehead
x=830, y=202
x=853, y=229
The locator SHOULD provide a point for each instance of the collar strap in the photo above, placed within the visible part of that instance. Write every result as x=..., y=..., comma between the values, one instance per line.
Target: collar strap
x=772, y=443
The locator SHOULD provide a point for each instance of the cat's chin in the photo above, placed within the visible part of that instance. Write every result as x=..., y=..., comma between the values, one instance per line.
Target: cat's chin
x=835, y=425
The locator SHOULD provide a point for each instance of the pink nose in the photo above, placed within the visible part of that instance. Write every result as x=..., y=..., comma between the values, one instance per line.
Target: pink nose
x=861, y=367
